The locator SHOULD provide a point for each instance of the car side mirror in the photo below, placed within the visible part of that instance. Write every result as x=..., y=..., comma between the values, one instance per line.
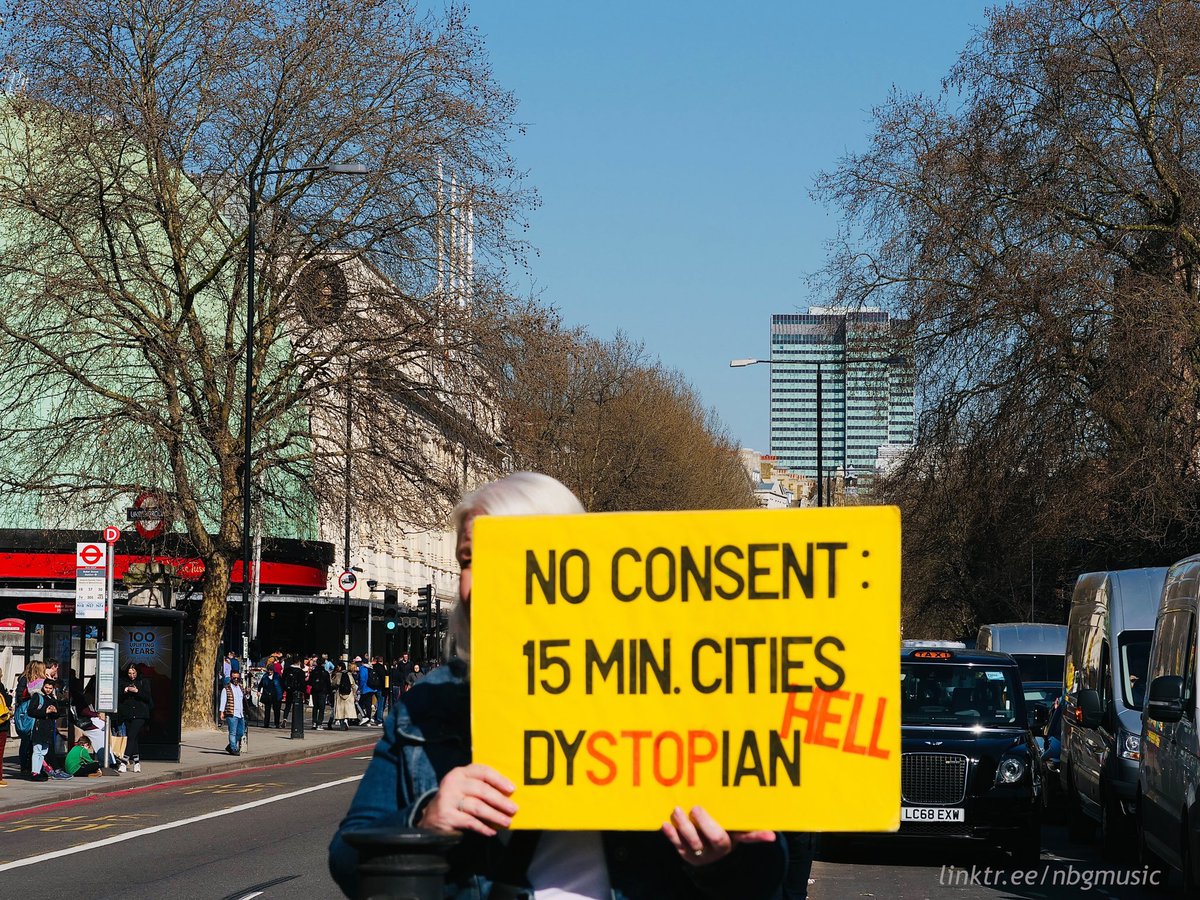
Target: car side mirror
x=1088, y=711
x=1165, y=703
x=1038, y=717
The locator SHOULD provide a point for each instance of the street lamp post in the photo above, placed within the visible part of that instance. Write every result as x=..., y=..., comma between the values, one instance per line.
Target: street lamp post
x=252, y=179
x=846, y=361
x=742, y=363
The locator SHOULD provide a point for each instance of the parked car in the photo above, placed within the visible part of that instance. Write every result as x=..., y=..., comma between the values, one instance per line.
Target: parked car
x=969, y=766
x=1109, y=630
x=1168, y=794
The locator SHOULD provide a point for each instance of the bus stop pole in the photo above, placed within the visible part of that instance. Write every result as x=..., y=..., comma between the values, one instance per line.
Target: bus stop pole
x=108, y=635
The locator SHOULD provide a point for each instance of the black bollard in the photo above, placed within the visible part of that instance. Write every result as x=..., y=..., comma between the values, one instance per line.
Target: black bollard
x=298, y=714
x=400, y=863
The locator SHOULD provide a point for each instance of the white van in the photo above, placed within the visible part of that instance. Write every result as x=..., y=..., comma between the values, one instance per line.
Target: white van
x=1109, y=630
x=1168, y=798
x=1038, y=648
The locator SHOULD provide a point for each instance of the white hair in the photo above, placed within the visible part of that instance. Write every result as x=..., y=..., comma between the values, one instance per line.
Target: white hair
x=518, y=494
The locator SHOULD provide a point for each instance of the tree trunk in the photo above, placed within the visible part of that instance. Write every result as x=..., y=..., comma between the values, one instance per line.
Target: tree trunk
x=198, y=678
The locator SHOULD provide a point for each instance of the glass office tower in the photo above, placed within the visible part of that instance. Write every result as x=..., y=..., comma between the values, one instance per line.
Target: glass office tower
x=867, y=393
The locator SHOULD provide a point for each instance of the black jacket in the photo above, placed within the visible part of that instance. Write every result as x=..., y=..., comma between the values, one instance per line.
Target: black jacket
x=134, y=705
x=294, y=682
x=318, y=680
x=43, y=725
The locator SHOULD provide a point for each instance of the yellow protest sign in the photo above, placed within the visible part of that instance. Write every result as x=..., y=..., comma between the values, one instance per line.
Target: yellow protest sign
x=744, y=661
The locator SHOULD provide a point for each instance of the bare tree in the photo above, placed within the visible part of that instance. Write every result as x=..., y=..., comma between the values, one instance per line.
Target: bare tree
x=1037, y=224
x=126, y=169
x=619, y=429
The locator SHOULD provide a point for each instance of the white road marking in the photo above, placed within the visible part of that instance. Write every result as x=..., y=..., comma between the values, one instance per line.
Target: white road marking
x=251, y=896
x=166, y=826
x=362, y=757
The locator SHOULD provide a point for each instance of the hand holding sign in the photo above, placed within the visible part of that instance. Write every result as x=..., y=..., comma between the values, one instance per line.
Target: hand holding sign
x=699, y=840
x=470, y=798
x=744, y=661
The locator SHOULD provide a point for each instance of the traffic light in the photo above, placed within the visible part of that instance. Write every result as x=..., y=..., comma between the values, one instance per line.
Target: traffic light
x=391, y=608
x=424, y=602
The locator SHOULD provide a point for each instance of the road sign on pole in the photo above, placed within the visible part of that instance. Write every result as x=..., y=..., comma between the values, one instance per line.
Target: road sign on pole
x=112, y=534
x=147, y=515
x=347, y=581
x=91, y=560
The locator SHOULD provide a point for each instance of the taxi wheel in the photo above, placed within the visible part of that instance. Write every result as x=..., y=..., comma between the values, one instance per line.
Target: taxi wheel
x=1027, y=849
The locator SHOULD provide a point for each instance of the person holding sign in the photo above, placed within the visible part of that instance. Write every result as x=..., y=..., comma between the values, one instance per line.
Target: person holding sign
x=422, y=775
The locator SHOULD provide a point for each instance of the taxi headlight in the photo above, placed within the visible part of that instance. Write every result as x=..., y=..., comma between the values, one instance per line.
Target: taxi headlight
x=1010, y=770
x=1130, y=745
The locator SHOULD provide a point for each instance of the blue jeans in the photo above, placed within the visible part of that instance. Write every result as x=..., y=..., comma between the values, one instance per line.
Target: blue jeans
x=237, y=730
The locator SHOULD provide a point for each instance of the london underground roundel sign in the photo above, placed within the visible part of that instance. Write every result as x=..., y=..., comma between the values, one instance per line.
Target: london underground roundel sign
x=148, y=525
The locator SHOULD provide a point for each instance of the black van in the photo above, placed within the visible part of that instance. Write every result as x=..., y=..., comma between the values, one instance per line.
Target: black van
x=970, y=768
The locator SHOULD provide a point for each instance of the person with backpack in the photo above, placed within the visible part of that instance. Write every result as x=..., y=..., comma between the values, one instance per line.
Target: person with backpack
x=368, y=695
x=44, y=709
x=318, y=686
x=379, y=676
x=343, y=698
x=35, y=670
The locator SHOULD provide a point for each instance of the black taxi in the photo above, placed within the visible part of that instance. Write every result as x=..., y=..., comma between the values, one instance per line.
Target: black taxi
x=970, y=768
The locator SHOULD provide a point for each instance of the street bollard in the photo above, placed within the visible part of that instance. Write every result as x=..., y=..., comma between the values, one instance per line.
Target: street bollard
x=400, y=863
x=298, y=715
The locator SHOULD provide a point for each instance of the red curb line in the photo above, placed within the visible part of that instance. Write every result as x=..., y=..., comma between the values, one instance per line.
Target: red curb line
x=160, y=785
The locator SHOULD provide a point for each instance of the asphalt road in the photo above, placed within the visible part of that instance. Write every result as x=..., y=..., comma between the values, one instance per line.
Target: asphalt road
x=910, y=870
x=263, y=834
x=219, y=837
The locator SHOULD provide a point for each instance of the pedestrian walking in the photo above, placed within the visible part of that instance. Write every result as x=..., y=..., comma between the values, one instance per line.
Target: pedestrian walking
x=367, y=694
x=422, y=775
x=343, y=698
x=379, y=677
x=295, y=691
x=318, y=685
x=413, y=677
x=233, y=713
x=134, y=707
x=270, y=692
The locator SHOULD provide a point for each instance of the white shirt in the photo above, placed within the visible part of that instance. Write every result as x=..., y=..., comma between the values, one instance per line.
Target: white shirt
x=569, y=865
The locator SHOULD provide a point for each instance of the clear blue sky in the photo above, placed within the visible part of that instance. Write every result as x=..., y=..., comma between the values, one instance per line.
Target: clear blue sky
x=674, y=144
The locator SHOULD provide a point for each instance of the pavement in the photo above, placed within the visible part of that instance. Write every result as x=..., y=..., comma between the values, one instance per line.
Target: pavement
x=201, y=753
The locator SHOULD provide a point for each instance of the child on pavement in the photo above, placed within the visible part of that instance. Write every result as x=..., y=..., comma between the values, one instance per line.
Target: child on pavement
x=80, y=761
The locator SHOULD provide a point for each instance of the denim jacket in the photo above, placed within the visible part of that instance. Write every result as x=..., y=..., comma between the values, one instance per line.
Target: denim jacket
x=428, y=734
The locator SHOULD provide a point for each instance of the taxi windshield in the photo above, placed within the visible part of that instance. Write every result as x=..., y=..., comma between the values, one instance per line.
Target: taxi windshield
x=957, y=695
